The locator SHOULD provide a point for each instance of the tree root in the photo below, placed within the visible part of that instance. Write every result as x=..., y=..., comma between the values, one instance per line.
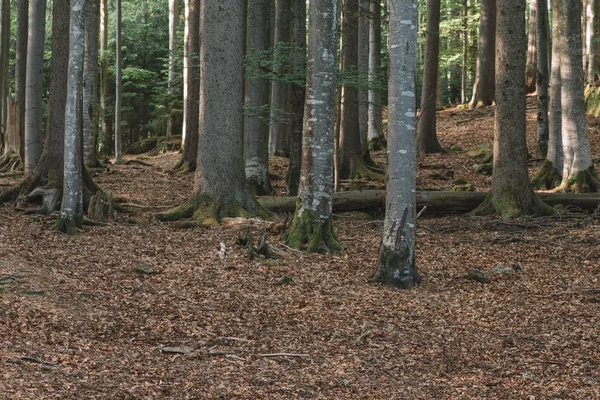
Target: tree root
x=365, y=171
x=319, y=237
x=582, y=182
x=11, y=162
x=547, y=177
x=510, y=204
x=377, y=144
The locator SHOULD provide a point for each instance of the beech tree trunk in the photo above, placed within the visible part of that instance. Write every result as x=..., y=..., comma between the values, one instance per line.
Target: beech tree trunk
x=375, y=128
x=21, y=69
x=106, y=126
x=71, y=212
x=591, y=39
x=484, y=89
x=191, y=85
x=510, y=194
x=90, y=86
x=256, y=138
x=4, y=59
x=298, y=92
x=427, y=141
x=543, y=76
x=312, y=223
x=173, y=18
x=531, y=68
x=396, y=262
x=118, y=79
x=578, y=170
x=34, y=83
x=279, y=116
x=363, y=73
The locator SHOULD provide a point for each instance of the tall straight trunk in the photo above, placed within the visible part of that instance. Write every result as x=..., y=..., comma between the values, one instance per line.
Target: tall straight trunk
x=510, y=194
x=298, y=92
x=256, y=138
x=363, y=71
x=484, y=88
x=531, y=68
x=375, y=128
x=106, y=125
x=543, y=75
x=4, y=59
x=118, y=78
x=591, y=39
x=465, y=51
x=350, y=149
x=578, y=169
x=427, y=141
x=21, y=69
x=71, y=212
x=34, y=83
x=312, y=223
x=173, y=18
x=396, y=262
x=279, y=118
x=191, y=84
x=90, y=86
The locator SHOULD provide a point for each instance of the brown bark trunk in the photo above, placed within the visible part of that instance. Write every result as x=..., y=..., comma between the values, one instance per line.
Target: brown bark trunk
x=484, y=88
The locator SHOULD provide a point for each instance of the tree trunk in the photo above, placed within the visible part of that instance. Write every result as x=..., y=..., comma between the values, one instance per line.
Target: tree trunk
x=312, y=223
x=375, y=128
x=298, y=92
x=71, y=212
x=173, y=18
x=543, y=76
x=510, y=194
x=427, y=141
x=34, y=83
x=118, y=79
x=21, y=69
x=578, y=174
x=591, y=39
x=4, y=62
x=396, y=262
x=107, y=133
x=484, y=88
x=191, y=85
x=465, y=51
x=363, y=73
x=531, y=68
x=256, y=138
x=90, y=86
x=279, y=118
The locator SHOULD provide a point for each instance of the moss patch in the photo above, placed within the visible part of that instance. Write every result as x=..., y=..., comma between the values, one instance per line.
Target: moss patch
x=582, y=182
x=509, y=204
x=547, y=177
x=318, y=237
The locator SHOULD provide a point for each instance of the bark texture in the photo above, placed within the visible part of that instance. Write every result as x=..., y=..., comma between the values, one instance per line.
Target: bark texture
x=106, y=126
x=375, y=127
x=484, y=88
x=173, y=19
x=21, y=69
x=118, y=79
x=312, y=225
x=531, y=66
x=543, y=75
x=363, y=71
x=90, y=86
x=256, y=138
x=396, y=262
x=427, y=141
x=4, y=62
x=591, y=38
x=510, y=193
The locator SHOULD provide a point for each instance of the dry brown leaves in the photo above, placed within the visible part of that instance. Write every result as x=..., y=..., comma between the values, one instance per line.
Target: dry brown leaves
x=76, y=321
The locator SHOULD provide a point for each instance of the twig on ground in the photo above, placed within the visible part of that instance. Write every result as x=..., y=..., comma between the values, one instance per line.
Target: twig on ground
x=284, y=355
x=36, y=361
x=237, y=339
x=583, y=290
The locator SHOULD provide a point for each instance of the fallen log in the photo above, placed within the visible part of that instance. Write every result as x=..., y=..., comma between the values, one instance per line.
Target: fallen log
x=436, y=201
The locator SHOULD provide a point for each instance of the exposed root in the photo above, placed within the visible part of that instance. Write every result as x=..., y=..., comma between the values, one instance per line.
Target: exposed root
x=362, y=170
x=547, y=177
x=511, y=204
x=377, y=144
x=582, y=182
x=318, y=237
x=11, y=162
x=68, y=225
x=50, y=199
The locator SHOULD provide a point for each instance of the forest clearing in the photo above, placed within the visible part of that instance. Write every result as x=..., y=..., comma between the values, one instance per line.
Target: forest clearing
x=141, y=309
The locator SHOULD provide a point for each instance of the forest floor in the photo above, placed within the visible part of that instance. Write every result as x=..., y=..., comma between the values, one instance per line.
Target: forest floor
x=78, y=322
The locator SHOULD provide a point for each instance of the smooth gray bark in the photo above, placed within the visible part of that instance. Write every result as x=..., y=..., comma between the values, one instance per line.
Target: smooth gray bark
x=375, y=128
x=191, y=84
x=34, y=83
x=555, y=152
x=427, y=141
x=312, y=220
x=591, y=38
x=118, y=79
x=543, y=75
x=256, y=138
x=71, y=212
x=363, y=71
x=173, y=18
x=21, y=68
x=484, y=87
x=396, y=262
x=4, y=59
x=90, y=86
x=531, y=68
x=106, y=125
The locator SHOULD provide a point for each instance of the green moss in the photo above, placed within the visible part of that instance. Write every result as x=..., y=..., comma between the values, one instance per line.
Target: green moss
x=306, y=230
x=592, y=100
x=485, y=169
x=509, y=205
x=459, y=181
x=362, y=171
x=547, y=177
x=582, y=182
x=463, y=188
x=454, y=148
x=68, y=225
x=377, y=144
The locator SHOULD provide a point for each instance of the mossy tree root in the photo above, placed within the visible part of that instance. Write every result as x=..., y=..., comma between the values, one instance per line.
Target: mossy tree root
x=512, y=205
x=547, y=177
x=68, y=225
x=317, y=236
x=11, y=162
x=377, y=144
x=362, y=170
x=395, y=267
x=260, y=188
x=582, y=182
x=183, y=166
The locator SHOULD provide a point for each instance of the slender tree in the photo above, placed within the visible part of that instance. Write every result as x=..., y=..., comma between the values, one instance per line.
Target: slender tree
x=4, y=59
x=312, y=223
x=531, y=68
x=173, y=19
x=34, y=83
x=543, y=75
x=375, y=129
x=396, y=262
x=220, y=188
x=71, y=211
x=90, y=86
x=256, y=136
x=363, y=73
x=579, y=174
x=591, y=39
x=510, y=194
x=21, y=68
x=427, y=141
x=191, y=86
x=106, y=126
x=118, y=79
x=484, y=87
